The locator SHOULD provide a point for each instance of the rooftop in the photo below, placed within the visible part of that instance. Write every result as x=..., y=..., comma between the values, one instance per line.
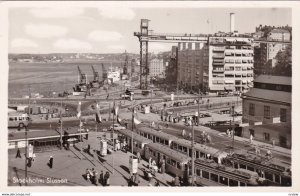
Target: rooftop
x=271, y=95
x=279, y=31
x=274, y=79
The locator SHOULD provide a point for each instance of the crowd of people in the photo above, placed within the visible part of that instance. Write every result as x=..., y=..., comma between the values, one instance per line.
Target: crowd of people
x=92, y=176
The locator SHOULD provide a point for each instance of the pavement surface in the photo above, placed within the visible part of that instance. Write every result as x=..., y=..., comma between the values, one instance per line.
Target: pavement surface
x=70, y=166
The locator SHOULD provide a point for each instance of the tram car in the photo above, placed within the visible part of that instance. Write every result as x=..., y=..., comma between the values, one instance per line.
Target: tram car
x=275, y=172
x=176, y=163
x=201, y=151
x=156, y=136
x=209, y=173
x=138, y=141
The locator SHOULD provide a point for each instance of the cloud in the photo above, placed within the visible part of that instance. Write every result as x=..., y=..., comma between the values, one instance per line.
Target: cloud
x=99, y=35
x=23, y=43
x=72, y=44
x=45, y=30
x=117, y=47
x=119, y=13
x=56, y=12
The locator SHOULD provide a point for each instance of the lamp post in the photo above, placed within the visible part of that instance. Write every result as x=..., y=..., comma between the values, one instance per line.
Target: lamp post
x=193, y=157
x=233, y=126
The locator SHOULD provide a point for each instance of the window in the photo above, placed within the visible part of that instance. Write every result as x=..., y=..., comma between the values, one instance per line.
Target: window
x=178, y=165
x=168, y=161
x=223, y=180
x=251, y=109
x=267, y=136
x=282, y=115
x=198, y=172
x=267, y=112
x=173, y=163
x=214, y=177
x=205, y=174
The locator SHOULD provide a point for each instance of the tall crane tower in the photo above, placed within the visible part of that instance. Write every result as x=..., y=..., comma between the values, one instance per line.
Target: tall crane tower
x=104, y=73
x=82, y=78
x=96, y=82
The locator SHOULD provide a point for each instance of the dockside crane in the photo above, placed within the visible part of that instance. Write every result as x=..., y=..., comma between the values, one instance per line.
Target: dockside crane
x=82, y=85
x=96, y=82
x=104, y=73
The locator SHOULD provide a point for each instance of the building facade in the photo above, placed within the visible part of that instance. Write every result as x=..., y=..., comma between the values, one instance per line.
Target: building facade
x=191, y=60
x=279, y=35
x=230, y=65
x=157, y=68
x=267, y=110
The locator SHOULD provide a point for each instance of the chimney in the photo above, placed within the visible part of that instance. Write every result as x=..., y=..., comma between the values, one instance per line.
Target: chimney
x=232, y=22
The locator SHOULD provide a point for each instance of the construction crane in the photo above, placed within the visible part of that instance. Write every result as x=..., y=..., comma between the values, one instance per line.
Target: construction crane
x=82, y=85
x=95, y=83
x=104, y=73
x=145, y=36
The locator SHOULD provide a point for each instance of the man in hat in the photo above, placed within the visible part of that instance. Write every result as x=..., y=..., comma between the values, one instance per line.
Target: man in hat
x=51, y=162
x=18, y=153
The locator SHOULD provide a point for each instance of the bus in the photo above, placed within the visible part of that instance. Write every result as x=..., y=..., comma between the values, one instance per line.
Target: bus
x=17, y=119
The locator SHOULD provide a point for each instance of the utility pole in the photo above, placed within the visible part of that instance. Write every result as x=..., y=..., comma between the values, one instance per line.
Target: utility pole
x=233, y=125
x=193, y=157
x=26, y=137
x=61, y=142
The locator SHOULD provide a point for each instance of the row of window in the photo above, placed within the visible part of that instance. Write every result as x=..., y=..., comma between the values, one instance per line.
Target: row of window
x=169, y=161
x=267, y=112
x=218, y=178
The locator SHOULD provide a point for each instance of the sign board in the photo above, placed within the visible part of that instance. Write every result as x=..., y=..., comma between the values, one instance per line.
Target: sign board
x=172, y=97
x=103, y=147
x=30, y=151
x=276, y=120
x=244, y=125
x=258, y=123
x=133, y=165
x=147, y=109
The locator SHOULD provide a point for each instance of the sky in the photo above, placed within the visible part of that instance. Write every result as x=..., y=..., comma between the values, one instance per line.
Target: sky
x=109, y=29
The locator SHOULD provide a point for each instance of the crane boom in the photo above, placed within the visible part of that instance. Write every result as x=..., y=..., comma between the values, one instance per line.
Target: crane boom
x=96, y=74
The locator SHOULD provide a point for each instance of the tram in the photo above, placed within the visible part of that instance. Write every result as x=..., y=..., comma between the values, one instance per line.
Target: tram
x=176, y=163
x=156, y=136
x=201, y=151
x=210, y=173
x=275, y=172
x=138, y=141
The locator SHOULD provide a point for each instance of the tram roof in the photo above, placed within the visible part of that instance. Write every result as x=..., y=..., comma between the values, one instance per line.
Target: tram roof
x=136, y=136
x=203, y=148
x=157, y=133
x=273, y=163
x=214, y=165
x=169, y=152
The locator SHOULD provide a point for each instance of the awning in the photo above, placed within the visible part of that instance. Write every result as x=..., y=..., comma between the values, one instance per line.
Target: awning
x=217, y=88
x=229, y=81
x=229, y=88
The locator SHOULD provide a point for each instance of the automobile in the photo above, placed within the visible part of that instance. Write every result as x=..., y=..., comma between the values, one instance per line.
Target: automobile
x=116, y=127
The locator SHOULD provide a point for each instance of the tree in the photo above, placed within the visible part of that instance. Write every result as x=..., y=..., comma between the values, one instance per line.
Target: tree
x=283, y=65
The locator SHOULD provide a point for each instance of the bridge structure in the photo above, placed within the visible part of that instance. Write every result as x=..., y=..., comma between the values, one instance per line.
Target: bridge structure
x=146, y=35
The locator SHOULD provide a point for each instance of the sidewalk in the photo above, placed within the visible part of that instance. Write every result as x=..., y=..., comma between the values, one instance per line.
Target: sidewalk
x=70, y=166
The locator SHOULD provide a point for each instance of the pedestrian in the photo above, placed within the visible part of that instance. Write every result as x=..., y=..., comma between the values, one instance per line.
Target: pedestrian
x=251, y=138
x=18, y=153
x=95, y=181
x=87, y=134
x=273, y=142
x=138, y=156
x=183, y=133
x=228, y=133
x=163, y=167
x=176, y=181
x=51, y=162
x=88, y=148
x=87, y=174
x=107, y=179
x=150, y=162
x=101, y=178
x=137, y=179
x=157, y=183
x=190, y=135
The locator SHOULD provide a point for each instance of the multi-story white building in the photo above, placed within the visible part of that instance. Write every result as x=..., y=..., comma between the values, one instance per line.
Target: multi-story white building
x=157, y=68
x=230, y=65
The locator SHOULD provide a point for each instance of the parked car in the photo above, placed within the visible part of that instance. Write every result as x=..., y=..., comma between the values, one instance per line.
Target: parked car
x=116, y=127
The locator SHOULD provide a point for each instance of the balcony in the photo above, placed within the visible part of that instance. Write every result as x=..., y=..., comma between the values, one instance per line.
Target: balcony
x=218, y=56
x=218, y=70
